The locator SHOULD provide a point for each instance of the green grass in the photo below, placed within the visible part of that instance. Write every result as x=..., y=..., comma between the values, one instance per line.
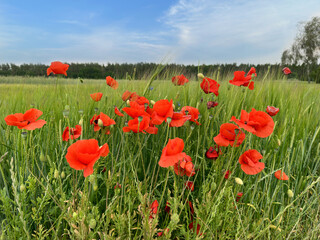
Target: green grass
x=59, y=203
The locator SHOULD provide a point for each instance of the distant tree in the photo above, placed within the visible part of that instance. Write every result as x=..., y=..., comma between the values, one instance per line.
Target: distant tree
x=306, y=47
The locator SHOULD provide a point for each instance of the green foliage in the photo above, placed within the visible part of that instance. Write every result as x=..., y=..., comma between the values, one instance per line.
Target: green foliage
x=41, y=197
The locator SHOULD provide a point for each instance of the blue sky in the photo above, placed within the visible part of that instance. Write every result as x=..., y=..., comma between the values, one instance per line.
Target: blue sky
x=181, y=31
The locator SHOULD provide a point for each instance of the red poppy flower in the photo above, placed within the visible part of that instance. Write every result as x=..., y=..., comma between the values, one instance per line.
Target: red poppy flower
x=228, y=135
x=209, y=85
x=194, y=112
x=154, y=209
x=112, y=83
x=249, y=161
x=192, y=228
x=226, y=175
x=143, y=126
x=286, y=71
x=178, y=119
x=131, y=96
x=142, y=101
x=239, y=195
x=172, y=153
x=257, y=122
x=281, y=175
x=83, y=154
x=179, y=80
x=118, y=185
x=162, y=110
x=135, y=110
x=272, y=111
x=163, y=232
x=190, y=185
x=27, y=121
x=117, y=111
x=184, y=167
x=73, y=133
x=212, y=104
x=240, y=79
x=213, y=153
x=58, y=68
x=106, y=120
x=96, y=96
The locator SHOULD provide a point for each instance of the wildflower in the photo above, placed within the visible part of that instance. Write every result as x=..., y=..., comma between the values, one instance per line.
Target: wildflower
x=105, y=121
x=240, y=79
x=290, y=193
x=249, y=161
x=178, y=119
x=239, y=195
x=213, y=153
x=143, y=126
x=72, y=133
x=179, y=80
x=272, y=111
x=212, y=104
x=286, y=71
x=210, y=86
x=281, y=175
x=200, y=75
x=184, y=167
x=83, y=154
x=96, y=96
x=112, y=83
x=172, y=153
x=27, y=121
x=229, y=133
x=131, y=96
x=190, y=185
x=154, y=209
x=57, y=68
x=193, y=112
x=226, y=175
x=117, y=111
x=162, y=109
x=257, y=122
x=135, y=110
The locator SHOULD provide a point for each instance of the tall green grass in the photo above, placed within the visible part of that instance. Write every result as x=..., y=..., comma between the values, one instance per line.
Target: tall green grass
x=42, y=197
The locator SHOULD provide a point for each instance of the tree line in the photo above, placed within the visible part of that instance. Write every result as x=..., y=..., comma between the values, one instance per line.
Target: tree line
x=138, y=71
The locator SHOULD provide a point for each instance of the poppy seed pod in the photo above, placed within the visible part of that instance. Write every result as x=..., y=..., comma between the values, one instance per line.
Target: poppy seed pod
x=169, y=119
x=200, y=75
x=238, y=181
x=22, y=188
x=290, y=193
x=100, y=123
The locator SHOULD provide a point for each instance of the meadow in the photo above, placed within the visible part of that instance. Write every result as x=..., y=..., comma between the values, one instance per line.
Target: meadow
x=42, y=197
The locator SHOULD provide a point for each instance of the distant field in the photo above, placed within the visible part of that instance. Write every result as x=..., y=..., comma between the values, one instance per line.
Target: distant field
x=56, y=201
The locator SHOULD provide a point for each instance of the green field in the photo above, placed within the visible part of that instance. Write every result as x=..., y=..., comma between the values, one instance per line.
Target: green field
x=42, y=197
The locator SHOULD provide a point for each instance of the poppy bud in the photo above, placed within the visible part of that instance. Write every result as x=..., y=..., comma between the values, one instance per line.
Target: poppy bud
x=169, y=120
x=92, y=178
x=100, y=123
x=290, y=193
x=22, y=188
x=63, y=175
x=238, y=181
x=279, y=142
x=95, y=187
x=56, y=173
x=128, y=102
x=140, y=119
x=92, y=223
x=42, y=157
x=152, y=102
x=81, y=122
x=200, y=75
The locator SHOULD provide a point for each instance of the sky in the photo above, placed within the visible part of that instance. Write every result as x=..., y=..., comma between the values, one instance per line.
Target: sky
x=178, y=31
